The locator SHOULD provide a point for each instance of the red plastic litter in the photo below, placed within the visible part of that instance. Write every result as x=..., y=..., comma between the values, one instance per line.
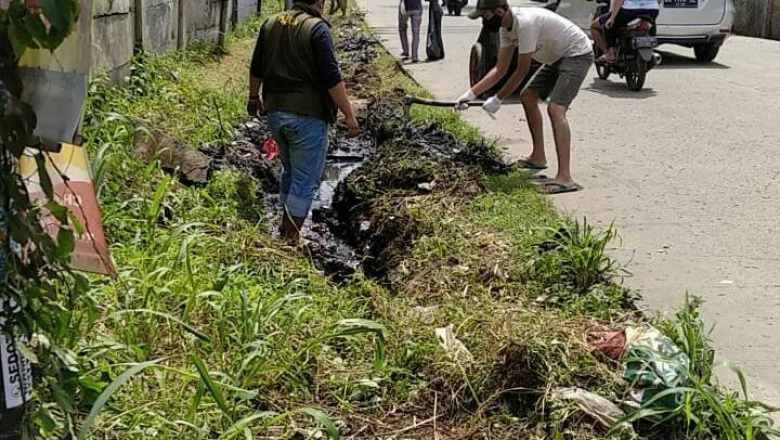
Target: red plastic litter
x=270, y=149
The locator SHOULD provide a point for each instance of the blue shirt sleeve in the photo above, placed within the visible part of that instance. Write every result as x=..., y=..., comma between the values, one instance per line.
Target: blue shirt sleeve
x=325, y=56
x=256, y=67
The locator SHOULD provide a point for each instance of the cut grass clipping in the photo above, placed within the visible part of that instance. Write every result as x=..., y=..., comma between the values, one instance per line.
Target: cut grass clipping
x=214, y=330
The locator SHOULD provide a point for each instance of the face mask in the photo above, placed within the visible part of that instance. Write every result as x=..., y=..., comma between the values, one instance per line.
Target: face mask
x=494, y=24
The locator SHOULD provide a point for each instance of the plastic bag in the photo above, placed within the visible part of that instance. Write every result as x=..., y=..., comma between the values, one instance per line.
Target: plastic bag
x=434, y=47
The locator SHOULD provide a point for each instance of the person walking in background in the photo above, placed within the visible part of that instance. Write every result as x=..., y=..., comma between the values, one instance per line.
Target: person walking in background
x=434, y=47
x=410, y=10
x=295, y=62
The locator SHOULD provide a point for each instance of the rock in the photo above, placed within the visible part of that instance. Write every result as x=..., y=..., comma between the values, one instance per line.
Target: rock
x=194, y=167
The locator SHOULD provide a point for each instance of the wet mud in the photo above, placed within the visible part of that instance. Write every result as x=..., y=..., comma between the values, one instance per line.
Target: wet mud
x=362, y=213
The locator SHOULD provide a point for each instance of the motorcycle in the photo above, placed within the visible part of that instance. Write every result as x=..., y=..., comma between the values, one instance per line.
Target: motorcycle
x=454, y=7
x=634, y=51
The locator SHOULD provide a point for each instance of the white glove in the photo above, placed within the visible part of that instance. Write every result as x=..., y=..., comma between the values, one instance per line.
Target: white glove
x=463, y=101
x=492, y=105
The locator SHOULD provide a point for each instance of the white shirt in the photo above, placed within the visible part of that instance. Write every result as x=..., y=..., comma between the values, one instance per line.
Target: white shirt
x=640, y=4
x=546, y=34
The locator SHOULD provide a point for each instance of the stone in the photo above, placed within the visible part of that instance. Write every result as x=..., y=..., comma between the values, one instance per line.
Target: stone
x=194, y=167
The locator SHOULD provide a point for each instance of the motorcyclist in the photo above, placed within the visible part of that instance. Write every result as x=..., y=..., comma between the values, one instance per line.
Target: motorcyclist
x=621, y=13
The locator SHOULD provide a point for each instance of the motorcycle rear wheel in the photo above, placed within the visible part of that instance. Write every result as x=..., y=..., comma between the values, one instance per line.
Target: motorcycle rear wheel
x=636, y=74
x=602, y=70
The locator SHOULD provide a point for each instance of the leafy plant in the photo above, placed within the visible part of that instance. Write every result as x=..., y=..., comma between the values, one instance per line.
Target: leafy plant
x=40, y=294
x=575, y=256
x=707, y=411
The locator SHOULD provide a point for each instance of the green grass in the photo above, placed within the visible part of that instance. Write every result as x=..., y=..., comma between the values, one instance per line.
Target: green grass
x=214, y=330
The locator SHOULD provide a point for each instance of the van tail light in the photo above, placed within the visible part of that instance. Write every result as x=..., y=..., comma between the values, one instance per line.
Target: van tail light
x=725, y=31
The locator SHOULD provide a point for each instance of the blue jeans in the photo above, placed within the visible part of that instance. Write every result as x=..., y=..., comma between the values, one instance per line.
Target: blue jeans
x=303, y=145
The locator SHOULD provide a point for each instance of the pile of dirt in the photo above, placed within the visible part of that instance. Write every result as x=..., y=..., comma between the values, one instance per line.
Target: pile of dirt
x=358, y=47
x=374, y=208
x=245, y=154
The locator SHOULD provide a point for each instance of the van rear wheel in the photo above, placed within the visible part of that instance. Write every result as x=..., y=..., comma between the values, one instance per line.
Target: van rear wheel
x=707, y=52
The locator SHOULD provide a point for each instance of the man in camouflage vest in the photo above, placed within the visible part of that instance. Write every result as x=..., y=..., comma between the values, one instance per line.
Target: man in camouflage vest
x=295, y=62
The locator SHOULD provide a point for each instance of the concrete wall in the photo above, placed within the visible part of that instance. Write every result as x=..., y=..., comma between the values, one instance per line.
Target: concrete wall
x=159, y=24
x=246, y=9
x=113, y=37
x=118, y=25
x=203, y=19
x=758, y=18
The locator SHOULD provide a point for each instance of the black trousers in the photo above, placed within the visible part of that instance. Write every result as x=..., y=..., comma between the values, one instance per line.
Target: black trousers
x=624, y=17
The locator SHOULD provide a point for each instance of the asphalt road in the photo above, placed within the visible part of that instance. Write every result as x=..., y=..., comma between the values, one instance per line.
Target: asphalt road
x=687, y=169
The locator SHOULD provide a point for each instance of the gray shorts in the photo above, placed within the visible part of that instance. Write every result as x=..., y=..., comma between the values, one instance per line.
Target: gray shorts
x=561, y=82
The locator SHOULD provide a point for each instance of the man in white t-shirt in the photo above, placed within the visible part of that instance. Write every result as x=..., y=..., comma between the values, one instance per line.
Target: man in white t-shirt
x=566, y=53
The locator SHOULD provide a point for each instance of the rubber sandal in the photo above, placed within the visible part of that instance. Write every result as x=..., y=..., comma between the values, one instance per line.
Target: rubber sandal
x=551, y=188
x=539, y=178
x=526, y=165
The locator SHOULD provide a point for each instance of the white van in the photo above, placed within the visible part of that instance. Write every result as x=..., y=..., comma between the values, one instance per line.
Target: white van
x=699, y=24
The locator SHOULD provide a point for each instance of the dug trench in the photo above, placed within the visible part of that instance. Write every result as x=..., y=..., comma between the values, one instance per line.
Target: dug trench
x=366, y=218
x=361, y=212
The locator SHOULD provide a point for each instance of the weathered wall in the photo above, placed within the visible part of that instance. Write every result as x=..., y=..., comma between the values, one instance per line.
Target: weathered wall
x=203, y=19
x=119, y=25
x=757, y=18
x=246, y=9
x=159, y=24
x=113, y=37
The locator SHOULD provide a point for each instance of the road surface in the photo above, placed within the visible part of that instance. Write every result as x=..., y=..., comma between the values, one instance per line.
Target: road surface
x=689, y=169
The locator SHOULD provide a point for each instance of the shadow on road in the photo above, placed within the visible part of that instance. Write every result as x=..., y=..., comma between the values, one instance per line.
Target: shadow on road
x=677, y=61
x=617, y=89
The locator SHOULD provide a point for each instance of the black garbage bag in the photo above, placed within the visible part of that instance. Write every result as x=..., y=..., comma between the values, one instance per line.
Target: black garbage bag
x=434, y=48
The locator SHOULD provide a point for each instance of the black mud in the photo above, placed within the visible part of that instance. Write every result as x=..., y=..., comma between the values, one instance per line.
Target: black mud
x=361, y=214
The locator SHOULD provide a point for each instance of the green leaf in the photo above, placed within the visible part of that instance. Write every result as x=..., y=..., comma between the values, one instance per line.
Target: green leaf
x=43, y=176
x=20, y=38
x=57, y=211
x=101, y=402
x=65, y=243
x=58, y=12
x=195, y=332
x=352, y=327
x=54, y=38
x=323, y=421
x=192, y=411
x=244, y=423
x=74, y=220
x=64, y=399
x=213, y=389
x=35, y=27
x=25, y=350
